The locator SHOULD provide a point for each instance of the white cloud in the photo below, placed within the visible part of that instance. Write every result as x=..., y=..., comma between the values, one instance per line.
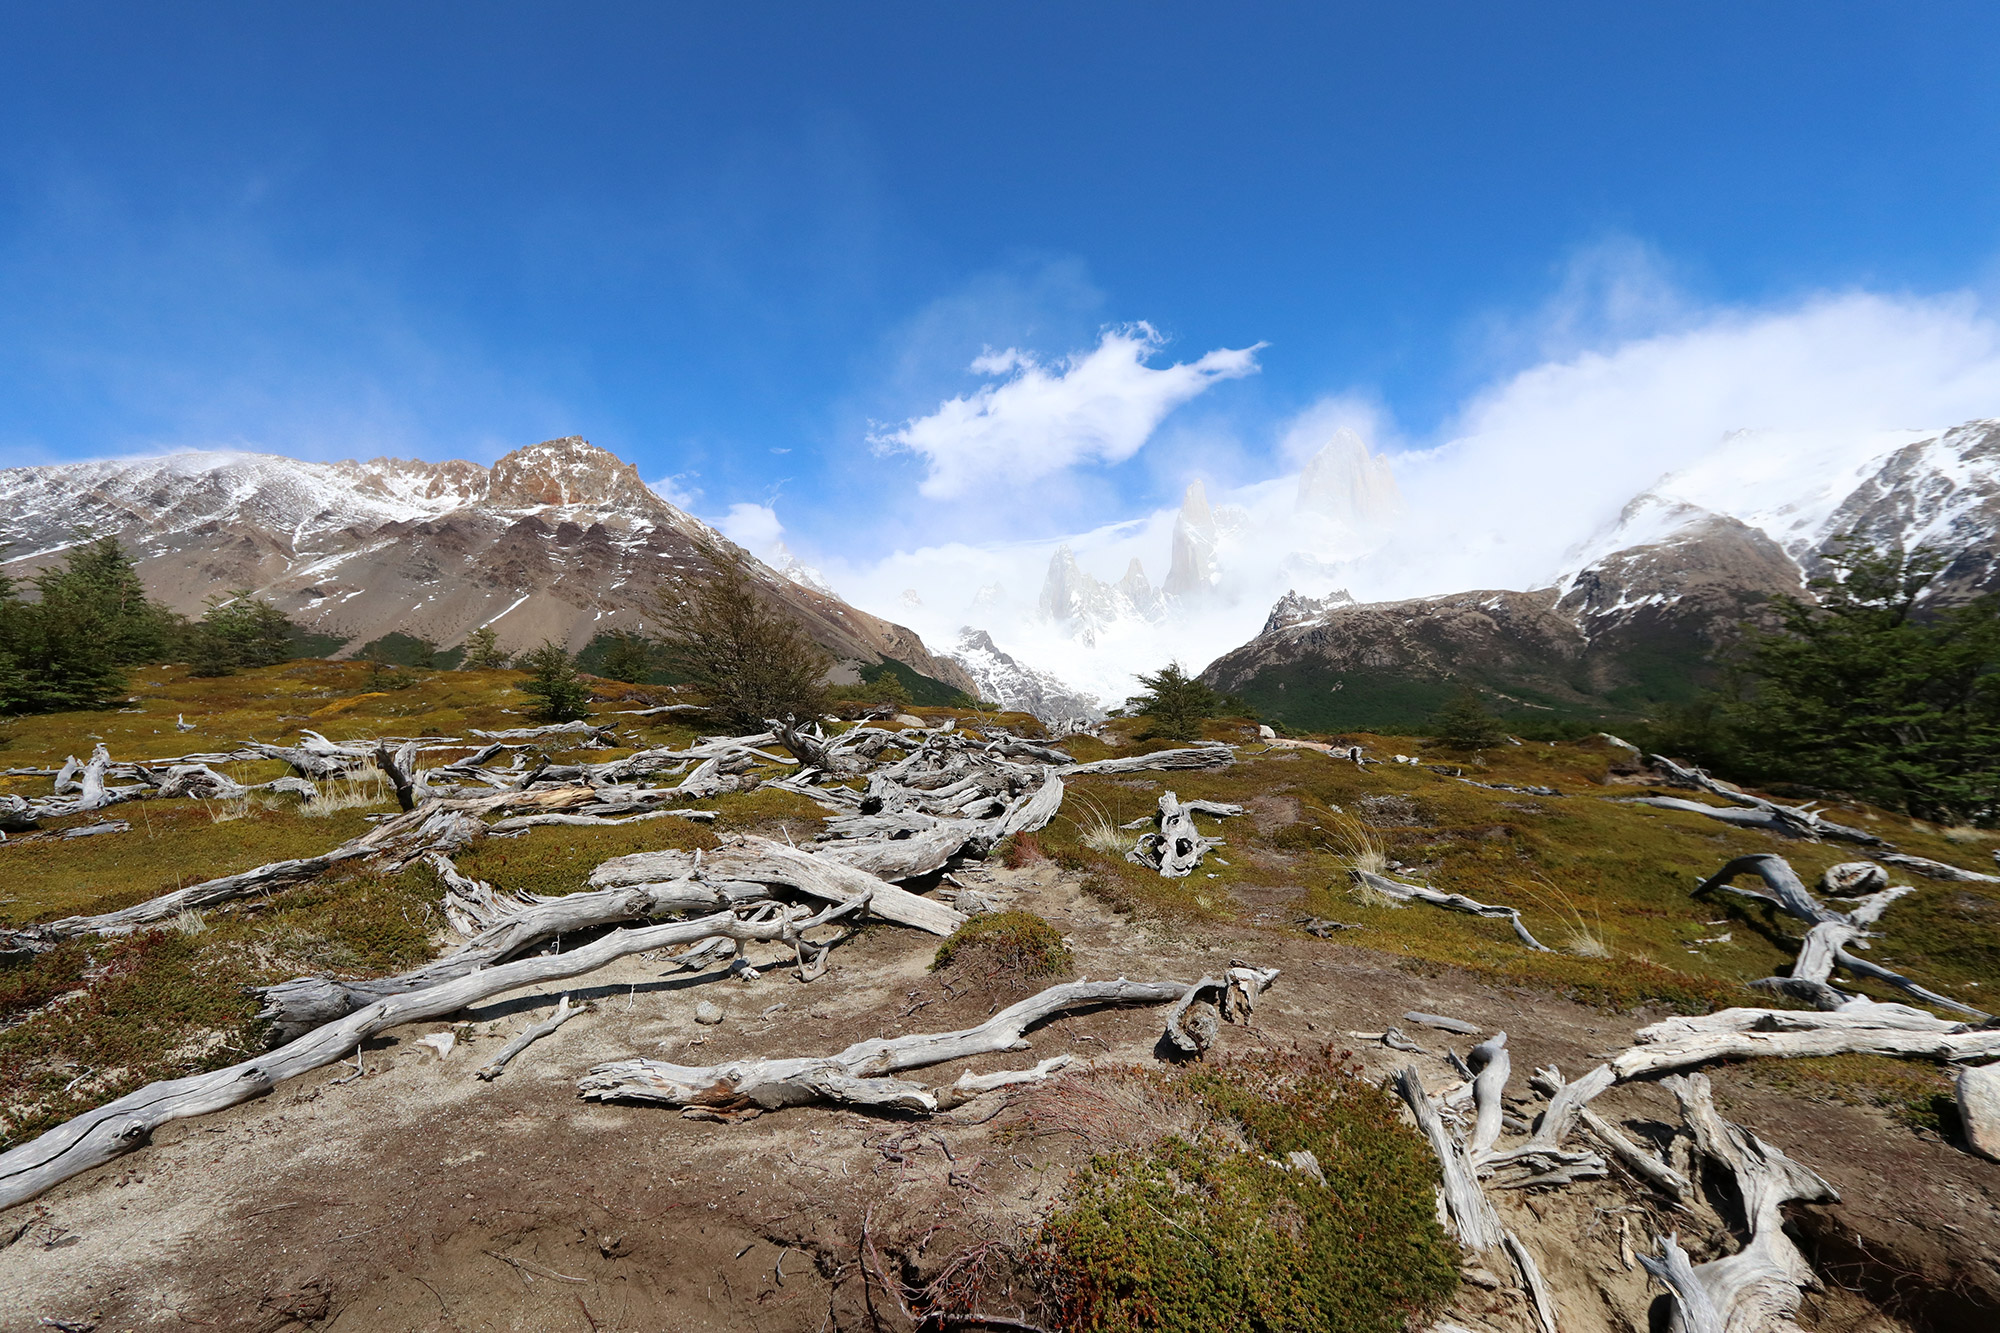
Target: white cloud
x=1530, y=467
x=1098, y=407
x=753, y=527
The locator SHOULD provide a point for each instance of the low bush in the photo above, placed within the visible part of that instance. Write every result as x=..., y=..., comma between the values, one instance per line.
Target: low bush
x=1216, y=1231
x=1016, y=944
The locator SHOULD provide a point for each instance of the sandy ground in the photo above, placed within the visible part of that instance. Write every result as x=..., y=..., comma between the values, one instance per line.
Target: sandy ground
x=417, y=1197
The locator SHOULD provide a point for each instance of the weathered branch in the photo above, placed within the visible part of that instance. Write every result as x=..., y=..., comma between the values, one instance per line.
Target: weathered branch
x=117, y=1127
x=1456, y=902
x=493, y=1068
x=857, y=1075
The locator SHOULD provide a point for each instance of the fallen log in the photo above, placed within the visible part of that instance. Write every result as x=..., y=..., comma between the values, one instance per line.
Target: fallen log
x=1176, y=846
x=743, y=858
x=1403, y=892
x=1802, y=820
x=504, y=927
x=1759, y=1288
x=1215, y=755
x=1688, y=1051
x=553, y=729
x=118, y=1127
x=1930, y=869
x=856, y=1076
x=1471, y=1212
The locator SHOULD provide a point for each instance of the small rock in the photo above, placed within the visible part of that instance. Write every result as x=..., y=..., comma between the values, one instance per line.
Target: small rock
x=1265, y=733
x=707, y=1014
x=908, y=720
x=1979, y=1109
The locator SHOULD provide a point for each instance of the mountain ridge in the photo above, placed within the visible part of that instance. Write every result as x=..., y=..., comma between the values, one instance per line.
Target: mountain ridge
x=557, y=540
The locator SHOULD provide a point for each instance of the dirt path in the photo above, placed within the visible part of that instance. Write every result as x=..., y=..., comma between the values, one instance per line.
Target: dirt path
x=417, y=1197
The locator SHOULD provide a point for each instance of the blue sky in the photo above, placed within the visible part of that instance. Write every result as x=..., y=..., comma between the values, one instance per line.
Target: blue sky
x=745, y=246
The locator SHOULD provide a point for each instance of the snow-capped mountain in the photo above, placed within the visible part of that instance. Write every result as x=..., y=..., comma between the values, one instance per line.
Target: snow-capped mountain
x=559, y=540
x=1007, y=682
x=1640, y=608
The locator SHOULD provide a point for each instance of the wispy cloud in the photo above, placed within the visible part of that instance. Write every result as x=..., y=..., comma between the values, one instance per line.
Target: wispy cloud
x=1042, y=418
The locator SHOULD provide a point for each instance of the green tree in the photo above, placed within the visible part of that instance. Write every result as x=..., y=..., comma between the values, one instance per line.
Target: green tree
x=238, y=630
x=1869, y=691
x=749, y=657
x=1175, y=701
x=1464, y=724
x=97, y=591
x=559, y=693
x=629, y=657
x=482, y=651
x=69, y=647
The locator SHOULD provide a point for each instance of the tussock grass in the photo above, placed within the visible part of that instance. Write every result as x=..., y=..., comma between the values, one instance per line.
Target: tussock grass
x=1095, y=828
x=361, y=789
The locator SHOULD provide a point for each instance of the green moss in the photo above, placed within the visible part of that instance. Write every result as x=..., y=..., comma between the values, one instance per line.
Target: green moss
x=1018, y=944
x=159, y=1005
x=1214, y=1234
x=1916, y=1094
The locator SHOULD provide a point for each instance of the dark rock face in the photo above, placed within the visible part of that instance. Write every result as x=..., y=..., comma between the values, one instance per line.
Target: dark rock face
x=1631, y=632
x=560, y=540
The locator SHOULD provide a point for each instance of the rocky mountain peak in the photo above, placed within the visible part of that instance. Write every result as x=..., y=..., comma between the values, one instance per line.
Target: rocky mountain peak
x=1193, y=569
x=1348, y=484
x=570, y=472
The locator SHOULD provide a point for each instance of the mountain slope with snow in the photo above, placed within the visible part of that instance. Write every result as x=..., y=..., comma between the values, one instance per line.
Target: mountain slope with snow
x=559, y=540
x=1636, y=616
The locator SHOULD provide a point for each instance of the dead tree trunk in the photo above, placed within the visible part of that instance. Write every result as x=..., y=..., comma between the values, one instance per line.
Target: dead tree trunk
x=1757, y=1289
x=117, y=1127
x=397, y=768
x=858, y=1075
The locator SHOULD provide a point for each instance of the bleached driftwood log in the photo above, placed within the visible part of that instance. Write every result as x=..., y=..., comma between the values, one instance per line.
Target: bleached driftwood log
x=117, y=1127
x=1822, y=947
x=508, y=926
x=1472, y=1215
x=858, y=1075
x=586, y=729
x=493, y=1068
x=745, y=859
x=1930, y=869
x=1211, y=755
x=1790, y=1034
x=1797, y=820
x=1175, y=847
x=247, y=884
x=1770, y=821
x=1404, y=892
x=1758, y=1289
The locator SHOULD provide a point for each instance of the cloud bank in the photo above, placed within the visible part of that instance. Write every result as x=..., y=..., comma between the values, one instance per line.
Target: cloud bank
x=1510, y=490
x=1098, y=407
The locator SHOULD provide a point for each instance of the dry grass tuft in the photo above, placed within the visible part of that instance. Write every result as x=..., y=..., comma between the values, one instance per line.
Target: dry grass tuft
x=1096, y=829
x=357, y=791
x=1581, y=935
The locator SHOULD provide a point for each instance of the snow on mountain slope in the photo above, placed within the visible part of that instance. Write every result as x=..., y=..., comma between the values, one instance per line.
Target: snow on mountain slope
x=1005, y=681
x=558, y=540
x=1805, y=489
